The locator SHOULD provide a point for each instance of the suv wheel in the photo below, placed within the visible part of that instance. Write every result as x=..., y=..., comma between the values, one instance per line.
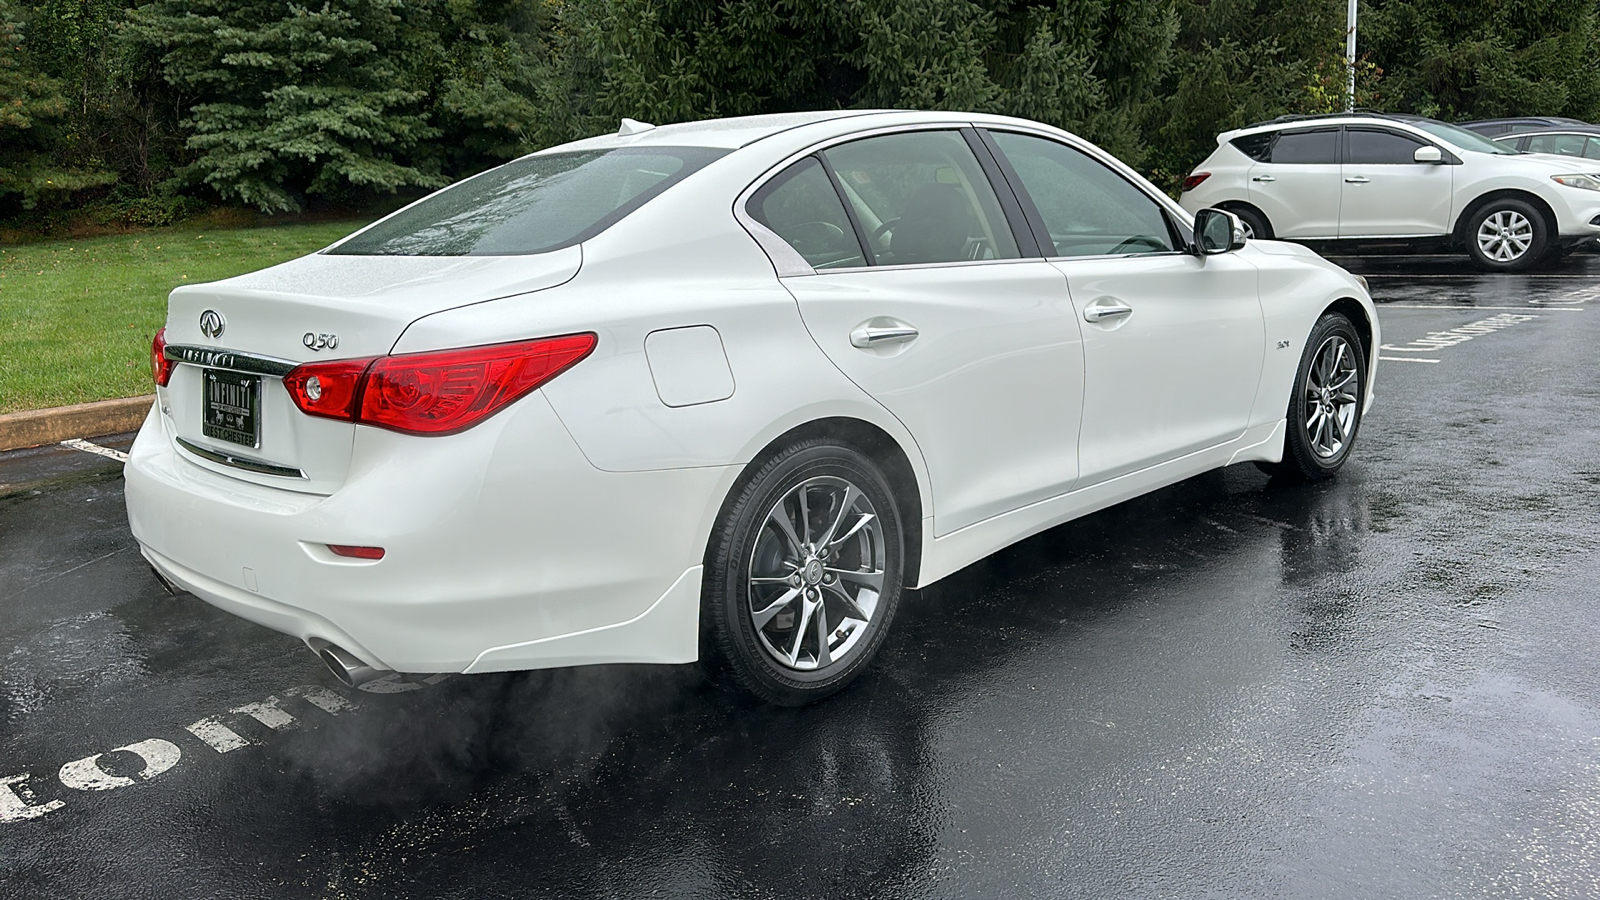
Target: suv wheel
x=1507, y=235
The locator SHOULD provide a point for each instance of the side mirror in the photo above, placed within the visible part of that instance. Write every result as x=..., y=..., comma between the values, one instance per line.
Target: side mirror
x=1217, y=231
x=1428, y=154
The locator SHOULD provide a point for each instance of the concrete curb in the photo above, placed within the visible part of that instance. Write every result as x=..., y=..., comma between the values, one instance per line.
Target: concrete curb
x=51, y=426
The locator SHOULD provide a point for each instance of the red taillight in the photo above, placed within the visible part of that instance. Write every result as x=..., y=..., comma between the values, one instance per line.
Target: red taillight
x=327, y=388
x=160, y=366
x=439, y=392
x=355, y=552
x=1194, y=181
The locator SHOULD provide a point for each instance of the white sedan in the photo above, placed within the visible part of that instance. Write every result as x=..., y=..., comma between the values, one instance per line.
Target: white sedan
x=720, y=391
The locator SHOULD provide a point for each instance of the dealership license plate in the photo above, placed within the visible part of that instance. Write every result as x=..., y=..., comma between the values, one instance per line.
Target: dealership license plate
x=232, y=409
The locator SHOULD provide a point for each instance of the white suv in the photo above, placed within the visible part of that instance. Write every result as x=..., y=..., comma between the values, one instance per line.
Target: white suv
x=1375, y=177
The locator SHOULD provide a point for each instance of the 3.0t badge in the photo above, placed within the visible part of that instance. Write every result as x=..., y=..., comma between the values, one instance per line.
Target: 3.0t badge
x=212, y=324
x=314, y=341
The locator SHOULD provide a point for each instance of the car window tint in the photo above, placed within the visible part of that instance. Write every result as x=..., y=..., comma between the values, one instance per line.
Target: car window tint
x=921, y=197
x=1256, y=146
x=1559, y=144
x=801, y=206
x=1306, y=147
x=531, y=205
x=1373, y=147
x=1593, y=150
x=1089, y=209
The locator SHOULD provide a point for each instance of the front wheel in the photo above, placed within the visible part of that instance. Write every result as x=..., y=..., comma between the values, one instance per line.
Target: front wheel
x=1507, y=236
x=803, y=575
x=1325, y=409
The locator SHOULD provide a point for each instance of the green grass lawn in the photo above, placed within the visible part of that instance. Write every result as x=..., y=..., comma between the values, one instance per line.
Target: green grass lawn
x=77, y=316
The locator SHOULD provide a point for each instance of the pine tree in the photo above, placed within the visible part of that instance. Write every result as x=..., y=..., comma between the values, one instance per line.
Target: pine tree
x=290, y=100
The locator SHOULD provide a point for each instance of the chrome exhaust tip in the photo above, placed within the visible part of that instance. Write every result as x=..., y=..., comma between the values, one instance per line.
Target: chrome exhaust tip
x=344, y=665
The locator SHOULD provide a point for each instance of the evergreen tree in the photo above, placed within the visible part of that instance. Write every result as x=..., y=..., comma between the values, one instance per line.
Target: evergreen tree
x=291, y=100
x=32, y=111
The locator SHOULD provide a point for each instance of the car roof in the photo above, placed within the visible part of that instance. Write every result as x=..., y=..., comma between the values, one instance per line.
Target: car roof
x=735, y=132
x=1359, y=117
x=1557, y=129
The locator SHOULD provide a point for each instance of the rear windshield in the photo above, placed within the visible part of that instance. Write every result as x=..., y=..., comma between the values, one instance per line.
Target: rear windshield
x=531, y=205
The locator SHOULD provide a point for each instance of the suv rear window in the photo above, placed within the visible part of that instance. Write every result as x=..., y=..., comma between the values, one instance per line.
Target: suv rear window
x=531, y=205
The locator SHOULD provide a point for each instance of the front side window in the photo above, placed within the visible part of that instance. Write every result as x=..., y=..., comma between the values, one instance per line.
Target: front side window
x=1306, y=148
x=921, y=197
x=1088, y=209
x=800, y=205
x=531, y=205
x=1382, y=148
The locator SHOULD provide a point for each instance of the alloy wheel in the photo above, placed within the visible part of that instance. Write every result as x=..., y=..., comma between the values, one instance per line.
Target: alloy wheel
x=1330, y=398
x=816, y=573
x=1505, y=236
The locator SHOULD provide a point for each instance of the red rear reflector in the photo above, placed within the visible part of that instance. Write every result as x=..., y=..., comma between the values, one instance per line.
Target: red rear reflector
x=357, y=552
x=438, y=392
x=1193, y=181
x=160, y=366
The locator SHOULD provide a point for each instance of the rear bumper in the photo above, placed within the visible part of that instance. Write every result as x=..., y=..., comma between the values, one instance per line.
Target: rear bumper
x=505, y=549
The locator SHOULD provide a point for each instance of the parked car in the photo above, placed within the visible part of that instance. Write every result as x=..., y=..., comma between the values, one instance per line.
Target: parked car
x=1370, y=177
x=1494, y=128
x=1571, y=140
x=720, y=391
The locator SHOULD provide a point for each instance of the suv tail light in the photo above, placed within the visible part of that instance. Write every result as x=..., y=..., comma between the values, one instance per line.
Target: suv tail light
x=160, y=366
x=1194, y=181
x=438, y=392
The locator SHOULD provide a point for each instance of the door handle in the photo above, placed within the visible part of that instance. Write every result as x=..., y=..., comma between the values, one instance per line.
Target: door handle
x=868, y=336
x=1103, y=312
x=1263, y=178
x=1359, y=179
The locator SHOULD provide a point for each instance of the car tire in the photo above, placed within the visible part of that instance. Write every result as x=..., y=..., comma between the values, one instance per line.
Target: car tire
x=1324, y=416
x=1256, y=225
x=802, y=574
x=1507, y=235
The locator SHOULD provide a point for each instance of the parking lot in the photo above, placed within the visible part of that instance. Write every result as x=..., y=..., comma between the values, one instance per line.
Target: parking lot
x=1378, y=685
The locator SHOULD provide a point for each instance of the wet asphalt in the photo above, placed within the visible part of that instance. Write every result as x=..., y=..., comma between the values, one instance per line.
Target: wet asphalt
x=1380, y=686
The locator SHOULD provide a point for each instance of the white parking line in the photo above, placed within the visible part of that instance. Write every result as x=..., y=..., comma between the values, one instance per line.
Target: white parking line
x=96, y=449
x=1407, y=359
x=1435, y=341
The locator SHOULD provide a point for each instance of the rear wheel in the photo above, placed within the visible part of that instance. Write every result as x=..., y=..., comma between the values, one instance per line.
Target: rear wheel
x=1507, y=235
x=1325, y=409
x=1256, y=226
x=803, y=575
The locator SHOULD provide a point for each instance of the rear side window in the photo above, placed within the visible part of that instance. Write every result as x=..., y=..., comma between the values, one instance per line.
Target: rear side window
x=801, y=206
x=1320, y=147
x=1559, y=144
x=531, y=205
x=1383, y=148
x=1256, y=146
x=921, y=197
x=1593, y=150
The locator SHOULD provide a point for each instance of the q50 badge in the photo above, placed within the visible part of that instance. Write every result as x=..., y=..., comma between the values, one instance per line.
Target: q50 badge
x=314, y=341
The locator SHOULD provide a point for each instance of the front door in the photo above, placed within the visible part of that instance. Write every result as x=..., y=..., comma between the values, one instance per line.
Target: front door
x=1386, y=192
x=1173, y=343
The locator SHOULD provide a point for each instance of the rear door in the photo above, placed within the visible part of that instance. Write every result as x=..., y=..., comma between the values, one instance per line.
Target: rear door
x=1173, y=342
x=923, y=297
x=1296, y=183
x=1386, y=193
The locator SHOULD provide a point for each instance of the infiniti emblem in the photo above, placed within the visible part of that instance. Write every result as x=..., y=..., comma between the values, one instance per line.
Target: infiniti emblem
x=212, y=323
